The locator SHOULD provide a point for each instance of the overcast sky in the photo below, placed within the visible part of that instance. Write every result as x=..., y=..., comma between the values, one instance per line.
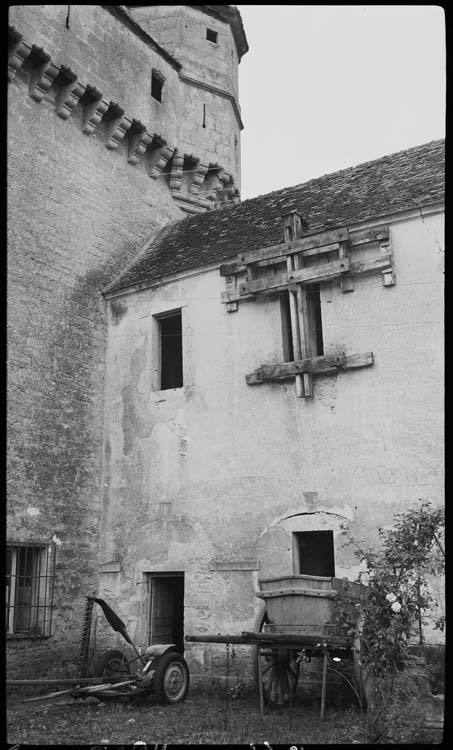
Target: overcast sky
x=327, y=87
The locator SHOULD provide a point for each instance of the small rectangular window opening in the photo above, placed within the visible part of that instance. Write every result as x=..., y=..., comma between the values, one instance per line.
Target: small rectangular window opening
x=315, y=552
x=30, y=574
x=157, y=83
x=171, y=365
x=287, y=334
x=211, y=35
x=316, y=345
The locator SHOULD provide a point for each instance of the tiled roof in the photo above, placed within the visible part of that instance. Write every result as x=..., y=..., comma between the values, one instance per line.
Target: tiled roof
x=397, y=182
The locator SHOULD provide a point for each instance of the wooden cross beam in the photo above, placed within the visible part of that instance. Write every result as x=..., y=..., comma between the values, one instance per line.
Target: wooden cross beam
x=324, y=365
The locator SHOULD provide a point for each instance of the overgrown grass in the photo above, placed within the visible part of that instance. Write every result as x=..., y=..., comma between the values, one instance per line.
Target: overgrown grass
x=201, y=719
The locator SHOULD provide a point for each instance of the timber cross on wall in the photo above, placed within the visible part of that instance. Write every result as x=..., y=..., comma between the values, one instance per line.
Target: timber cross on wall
x=297, y=266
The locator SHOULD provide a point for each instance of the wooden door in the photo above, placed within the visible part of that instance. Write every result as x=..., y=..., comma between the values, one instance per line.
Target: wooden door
x=166, y=610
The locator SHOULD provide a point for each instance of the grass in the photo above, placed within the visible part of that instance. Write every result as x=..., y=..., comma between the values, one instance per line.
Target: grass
x=200, y=719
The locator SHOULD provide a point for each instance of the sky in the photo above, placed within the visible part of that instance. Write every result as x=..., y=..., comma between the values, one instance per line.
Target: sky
x=325, y=87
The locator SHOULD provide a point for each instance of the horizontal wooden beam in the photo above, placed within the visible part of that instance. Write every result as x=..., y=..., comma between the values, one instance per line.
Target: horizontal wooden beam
x=314, y=365
x=250, y=638
x=306, y=245
x=295, y=246
x=320, y=272
x=308, y=274
x=380, y=263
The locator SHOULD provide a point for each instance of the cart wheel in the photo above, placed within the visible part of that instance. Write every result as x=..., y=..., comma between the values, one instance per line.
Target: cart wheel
x=363, y=679
x=171, y=680
x=280, y=672
x=112, y=663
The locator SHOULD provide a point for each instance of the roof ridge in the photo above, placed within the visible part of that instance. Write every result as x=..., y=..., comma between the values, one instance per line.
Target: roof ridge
x=346, y=169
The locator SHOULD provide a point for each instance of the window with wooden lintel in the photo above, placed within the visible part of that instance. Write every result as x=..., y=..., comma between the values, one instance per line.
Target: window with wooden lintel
x=157, y=84
x=30, y=574
x=170, y=344
x=314, y=553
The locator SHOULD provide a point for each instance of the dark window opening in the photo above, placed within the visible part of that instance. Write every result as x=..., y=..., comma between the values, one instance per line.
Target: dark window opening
x=316, y=343
x=171, y=370
x=166, y=615
x=287, y=333
x=157, y=83
x=211, y=35
x=316, y=553
x=30, y=576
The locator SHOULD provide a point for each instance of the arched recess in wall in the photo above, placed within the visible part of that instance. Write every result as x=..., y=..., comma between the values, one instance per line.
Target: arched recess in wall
x=310, y=542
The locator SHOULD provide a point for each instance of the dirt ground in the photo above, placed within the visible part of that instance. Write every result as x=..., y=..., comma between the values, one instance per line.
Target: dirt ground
x=200, y=719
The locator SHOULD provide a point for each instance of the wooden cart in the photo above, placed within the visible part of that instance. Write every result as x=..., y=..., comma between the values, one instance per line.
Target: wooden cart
x=299, y=622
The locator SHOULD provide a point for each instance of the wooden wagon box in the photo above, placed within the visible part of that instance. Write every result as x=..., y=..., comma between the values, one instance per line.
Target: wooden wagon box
x=305, y=604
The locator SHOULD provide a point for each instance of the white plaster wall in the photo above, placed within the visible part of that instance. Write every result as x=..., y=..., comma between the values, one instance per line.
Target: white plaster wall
x=211, y=471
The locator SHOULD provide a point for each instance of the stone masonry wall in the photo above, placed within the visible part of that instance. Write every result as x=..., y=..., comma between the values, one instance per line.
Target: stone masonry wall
x=77, y=212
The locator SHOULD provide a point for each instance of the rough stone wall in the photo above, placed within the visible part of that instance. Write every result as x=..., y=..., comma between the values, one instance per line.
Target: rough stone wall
x=181, y=30
x=77, y=212
x=217, y=476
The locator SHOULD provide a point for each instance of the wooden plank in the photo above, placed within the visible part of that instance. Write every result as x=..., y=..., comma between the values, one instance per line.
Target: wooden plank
x=378, y=263
x=364, y=359
x=295, y=328
x=261, y=285
x=305, y=386
x=313, y=365
x=373, y=234
x=320, y=272
x=227, y=269
x=252, y=638
x=288, y=369
x=323, y=272
x=325, y=593
x=296, y=638
x=295, y=246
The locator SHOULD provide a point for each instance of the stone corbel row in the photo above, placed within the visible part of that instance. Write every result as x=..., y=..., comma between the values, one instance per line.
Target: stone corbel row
x=164, y=158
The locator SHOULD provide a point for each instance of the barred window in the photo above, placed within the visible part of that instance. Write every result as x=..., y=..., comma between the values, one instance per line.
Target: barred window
x=30, y=574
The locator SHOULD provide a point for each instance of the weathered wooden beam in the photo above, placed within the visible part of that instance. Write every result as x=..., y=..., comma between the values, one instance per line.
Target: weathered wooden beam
x=226, y=269
x=314, y=365
x=250, y=638
x=379, y=263
x=266, y=284
x=373, y=234
x=294, y=246
x=364, y=236
x=320, y=272
x=342, y=269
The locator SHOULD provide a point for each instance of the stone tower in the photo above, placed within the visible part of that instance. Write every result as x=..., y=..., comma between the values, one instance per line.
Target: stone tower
x=208, y=41
x=116, y=128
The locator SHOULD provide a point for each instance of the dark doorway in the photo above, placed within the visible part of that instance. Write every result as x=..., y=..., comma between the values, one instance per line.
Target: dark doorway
x=166, y=613
x=316, y=553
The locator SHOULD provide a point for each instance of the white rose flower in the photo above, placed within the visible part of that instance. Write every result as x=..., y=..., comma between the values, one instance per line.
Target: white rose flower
x=396, y=607
x=391, y=598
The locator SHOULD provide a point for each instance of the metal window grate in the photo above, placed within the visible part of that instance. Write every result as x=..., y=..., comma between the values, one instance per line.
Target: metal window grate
x=30, y=577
